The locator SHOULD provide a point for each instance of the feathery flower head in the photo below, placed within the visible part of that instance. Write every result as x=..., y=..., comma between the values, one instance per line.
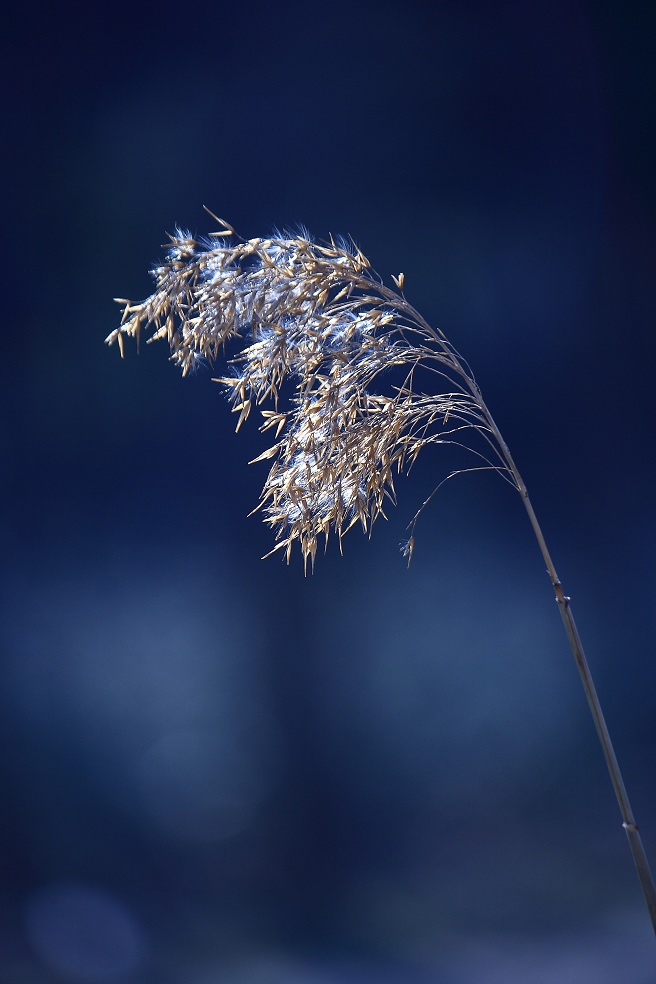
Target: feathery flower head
x=314, y=316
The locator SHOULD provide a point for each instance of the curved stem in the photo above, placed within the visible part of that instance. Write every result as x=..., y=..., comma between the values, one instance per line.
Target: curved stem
x=628, y=819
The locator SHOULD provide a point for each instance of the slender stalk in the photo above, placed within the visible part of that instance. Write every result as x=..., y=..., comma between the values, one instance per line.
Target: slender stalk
x=317, y=314
x=628, y=819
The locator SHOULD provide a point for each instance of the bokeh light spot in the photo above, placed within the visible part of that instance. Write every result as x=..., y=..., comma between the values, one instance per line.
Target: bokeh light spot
x=83, y=932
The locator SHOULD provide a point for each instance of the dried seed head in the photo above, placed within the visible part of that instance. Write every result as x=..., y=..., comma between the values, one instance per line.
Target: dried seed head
x=315, y=317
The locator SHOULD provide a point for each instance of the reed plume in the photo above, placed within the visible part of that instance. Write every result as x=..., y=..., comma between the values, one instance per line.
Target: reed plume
x=317, y=318
x=338, y=364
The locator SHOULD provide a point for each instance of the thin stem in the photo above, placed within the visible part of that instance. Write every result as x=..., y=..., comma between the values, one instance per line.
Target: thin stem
x=300, y=302
x=628, y=819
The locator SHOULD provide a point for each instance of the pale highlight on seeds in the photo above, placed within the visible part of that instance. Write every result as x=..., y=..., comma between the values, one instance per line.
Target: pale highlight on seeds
x=330, y=356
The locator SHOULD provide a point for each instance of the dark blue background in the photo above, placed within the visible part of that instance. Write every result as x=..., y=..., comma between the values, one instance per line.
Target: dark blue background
x=214, y=770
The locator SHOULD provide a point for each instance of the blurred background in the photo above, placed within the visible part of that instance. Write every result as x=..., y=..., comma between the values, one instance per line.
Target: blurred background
x=215, y=770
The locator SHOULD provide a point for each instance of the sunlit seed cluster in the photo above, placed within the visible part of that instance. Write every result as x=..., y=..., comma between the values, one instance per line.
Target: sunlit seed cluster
x=316, y=318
